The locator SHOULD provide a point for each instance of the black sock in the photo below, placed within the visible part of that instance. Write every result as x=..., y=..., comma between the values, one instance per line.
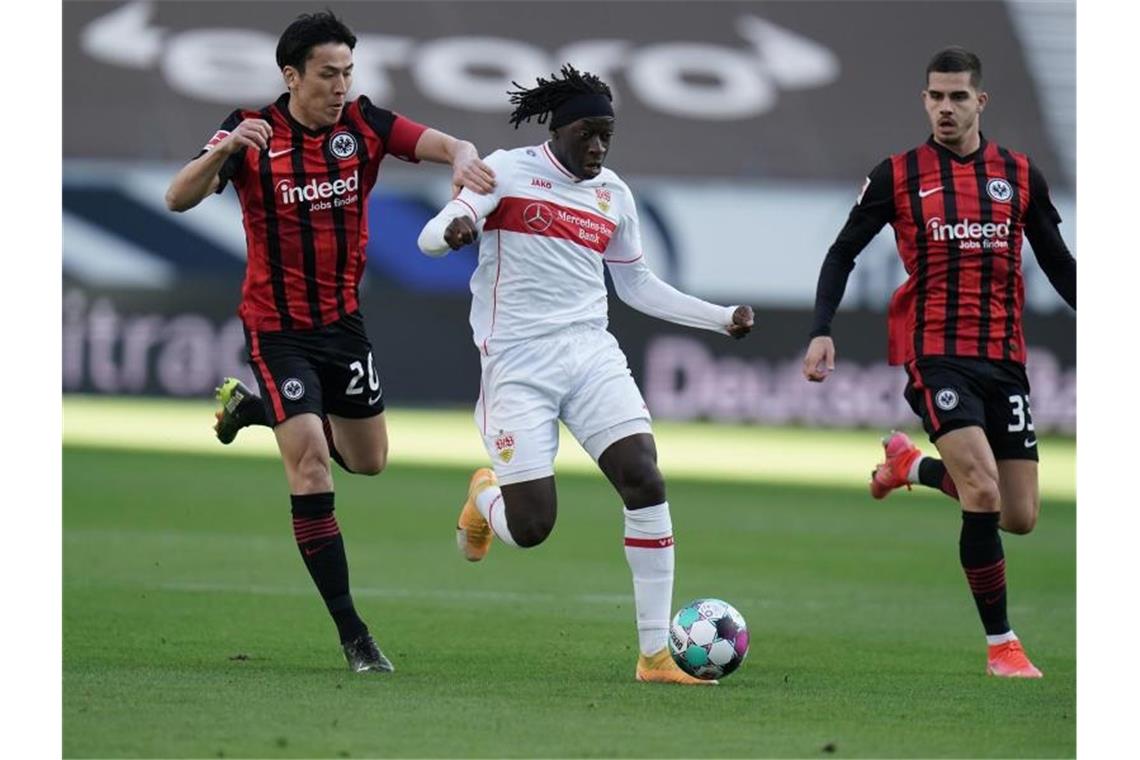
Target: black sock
x=932, y=473
x=984, y=562
x=336, y=456
x=255, y=412
x=322, y=548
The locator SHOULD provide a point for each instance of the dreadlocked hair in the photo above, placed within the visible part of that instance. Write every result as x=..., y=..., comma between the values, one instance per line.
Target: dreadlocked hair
x=541, y=100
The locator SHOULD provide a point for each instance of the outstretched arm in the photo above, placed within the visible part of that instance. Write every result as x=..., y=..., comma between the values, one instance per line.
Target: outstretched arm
x=467, y=169
x=636, y=284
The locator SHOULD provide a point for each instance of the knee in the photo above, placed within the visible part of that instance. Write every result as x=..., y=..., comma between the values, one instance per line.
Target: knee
x=311, y=473
x=979, y=488
x=1019, y=522
x=532, y=527
x=642, y=486
x=373, y=463
x=1019, y=526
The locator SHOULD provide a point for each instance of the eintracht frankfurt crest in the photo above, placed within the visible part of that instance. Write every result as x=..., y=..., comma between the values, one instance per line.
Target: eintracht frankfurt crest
x=342, y=145
x=292, y=389
x=999, y=190
x=947, y=399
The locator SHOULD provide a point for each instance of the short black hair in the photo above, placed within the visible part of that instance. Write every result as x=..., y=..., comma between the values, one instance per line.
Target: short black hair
x=539, y=101
x=954, y=59
x=307, y=32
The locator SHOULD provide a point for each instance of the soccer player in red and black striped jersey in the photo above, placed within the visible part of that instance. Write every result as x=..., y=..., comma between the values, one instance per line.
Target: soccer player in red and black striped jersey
x=960, y=207
x=303, y=167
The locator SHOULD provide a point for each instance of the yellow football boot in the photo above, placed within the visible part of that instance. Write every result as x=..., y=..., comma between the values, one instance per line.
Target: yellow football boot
x=473, y=533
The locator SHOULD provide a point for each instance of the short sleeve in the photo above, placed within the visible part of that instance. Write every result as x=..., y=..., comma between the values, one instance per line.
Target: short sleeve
x=399, y=133
x=234, y=163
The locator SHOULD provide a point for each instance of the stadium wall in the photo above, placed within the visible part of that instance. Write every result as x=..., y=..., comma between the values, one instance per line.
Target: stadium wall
x=179, y=342
x=745, y=130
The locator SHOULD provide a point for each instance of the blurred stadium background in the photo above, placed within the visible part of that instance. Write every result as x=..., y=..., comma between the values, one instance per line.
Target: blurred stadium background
x=745, y=129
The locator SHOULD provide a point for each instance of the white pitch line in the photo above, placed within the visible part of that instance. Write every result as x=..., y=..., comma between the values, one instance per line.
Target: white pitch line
x=478, y=596
x=511, y=597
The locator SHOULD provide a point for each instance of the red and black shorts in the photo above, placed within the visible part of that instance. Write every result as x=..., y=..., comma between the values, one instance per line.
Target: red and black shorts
x=950, y=392
x=327, y=370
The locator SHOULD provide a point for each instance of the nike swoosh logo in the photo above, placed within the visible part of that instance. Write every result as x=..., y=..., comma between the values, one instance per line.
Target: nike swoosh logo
x=1030, y=442
x=276, y=153
x=921, y=193
x=372, y=400
x=311, y=552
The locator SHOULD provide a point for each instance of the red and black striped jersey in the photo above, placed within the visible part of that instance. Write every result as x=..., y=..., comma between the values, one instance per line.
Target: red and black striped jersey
x=304, y=208
x=959, y=222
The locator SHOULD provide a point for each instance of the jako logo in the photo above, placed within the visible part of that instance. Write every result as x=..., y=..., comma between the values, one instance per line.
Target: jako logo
x=543, y=183
x=966, y=229
x=314, y=190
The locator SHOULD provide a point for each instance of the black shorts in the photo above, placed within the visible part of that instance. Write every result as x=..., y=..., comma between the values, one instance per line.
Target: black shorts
x=950, y=392
x=328, y=370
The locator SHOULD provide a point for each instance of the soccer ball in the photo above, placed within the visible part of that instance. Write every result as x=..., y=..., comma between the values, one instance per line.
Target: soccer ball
x=708, y=638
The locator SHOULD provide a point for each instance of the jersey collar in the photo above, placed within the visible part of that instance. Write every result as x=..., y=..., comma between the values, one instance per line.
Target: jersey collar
x=282, y=104
x=558, y=165
x=966, y=159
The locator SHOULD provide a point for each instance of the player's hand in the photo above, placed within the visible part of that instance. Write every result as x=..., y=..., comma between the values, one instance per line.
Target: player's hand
x=819, y=361
x=468, y=170
x=462, y=231
x=741, y=322
x=250, y=133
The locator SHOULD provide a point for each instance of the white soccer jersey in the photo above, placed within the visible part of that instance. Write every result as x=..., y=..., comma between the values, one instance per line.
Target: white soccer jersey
x=545, y=235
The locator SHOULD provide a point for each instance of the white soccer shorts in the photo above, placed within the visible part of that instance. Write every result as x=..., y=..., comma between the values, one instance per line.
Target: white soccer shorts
x=578, y=375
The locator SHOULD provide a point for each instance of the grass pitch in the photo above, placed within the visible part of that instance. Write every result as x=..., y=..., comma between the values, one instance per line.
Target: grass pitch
x=191, y=628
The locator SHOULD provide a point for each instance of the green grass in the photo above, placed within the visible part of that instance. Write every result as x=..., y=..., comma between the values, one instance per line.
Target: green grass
x=709, y=451
x=191, y=628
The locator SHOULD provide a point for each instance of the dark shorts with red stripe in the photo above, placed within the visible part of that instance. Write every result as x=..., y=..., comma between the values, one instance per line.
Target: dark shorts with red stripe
x=327, y=370
x=950, y=392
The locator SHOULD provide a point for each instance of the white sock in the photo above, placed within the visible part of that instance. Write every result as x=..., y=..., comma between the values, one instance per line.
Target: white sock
x=912, y=474
x=489, y=502
x=649, y=552
x=1001, y=638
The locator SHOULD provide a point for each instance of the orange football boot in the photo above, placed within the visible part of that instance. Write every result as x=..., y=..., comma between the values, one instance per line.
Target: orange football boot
x=473, y=533
x=660, y=668
x=890, y=474
x=1008, y=660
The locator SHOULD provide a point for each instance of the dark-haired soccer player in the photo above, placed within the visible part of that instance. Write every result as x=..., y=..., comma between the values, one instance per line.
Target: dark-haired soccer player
x=556, y=219
x=960, y=206
x=303, y=167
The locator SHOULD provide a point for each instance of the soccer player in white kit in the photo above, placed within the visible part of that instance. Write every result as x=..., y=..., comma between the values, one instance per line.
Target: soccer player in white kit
x=539, y=316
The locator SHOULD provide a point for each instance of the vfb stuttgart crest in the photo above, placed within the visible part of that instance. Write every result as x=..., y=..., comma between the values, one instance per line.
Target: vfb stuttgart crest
x=604, y=198
x=505, y=446
x=342, y=145
x=999, y=190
